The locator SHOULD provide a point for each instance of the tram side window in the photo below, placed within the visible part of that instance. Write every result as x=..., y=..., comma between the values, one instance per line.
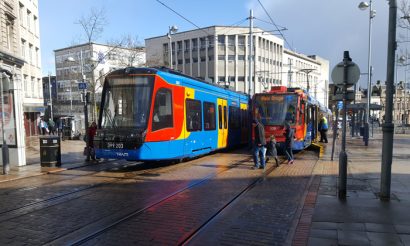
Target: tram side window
x=301, y=113
x=244, y=118
x=209, y=116
x=220, y=116
x=162, y=116
x=193, y=115
x=225, y=118
x=234, y=117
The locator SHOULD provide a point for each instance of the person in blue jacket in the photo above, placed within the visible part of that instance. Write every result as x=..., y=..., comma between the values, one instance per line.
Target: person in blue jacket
x=323, y=127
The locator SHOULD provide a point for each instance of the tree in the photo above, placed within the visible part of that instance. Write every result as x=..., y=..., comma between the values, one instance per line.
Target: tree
x=93, y=24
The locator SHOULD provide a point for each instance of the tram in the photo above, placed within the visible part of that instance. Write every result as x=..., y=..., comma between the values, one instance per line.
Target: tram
x=293, y=105
x=159, y=114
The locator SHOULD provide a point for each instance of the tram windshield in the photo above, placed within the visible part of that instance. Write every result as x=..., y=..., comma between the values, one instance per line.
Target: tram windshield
x=276, y=109
x=127, y=102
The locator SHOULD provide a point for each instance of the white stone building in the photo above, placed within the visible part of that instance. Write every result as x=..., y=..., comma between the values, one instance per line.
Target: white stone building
x=93, y=61
x=220, y=54
x=20, y=57
x=304, y=71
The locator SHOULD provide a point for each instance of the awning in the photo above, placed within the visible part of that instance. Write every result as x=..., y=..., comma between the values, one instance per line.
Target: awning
x=34, y=108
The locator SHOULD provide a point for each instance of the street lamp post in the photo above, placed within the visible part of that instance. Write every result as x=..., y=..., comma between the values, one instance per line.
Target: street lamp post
x=171, y=29
x=51, y=98
x=85, y=100
x=372, y=14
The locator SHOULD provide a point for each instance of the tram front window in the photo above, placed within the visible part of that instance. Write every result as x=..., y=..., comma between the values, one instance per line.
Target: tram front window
x=276, y=109
x=126, y=102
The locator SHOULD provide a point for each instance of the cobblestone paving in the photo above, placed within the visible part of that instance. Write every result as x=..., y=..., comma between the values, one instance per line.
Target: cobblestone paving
x=262, y=217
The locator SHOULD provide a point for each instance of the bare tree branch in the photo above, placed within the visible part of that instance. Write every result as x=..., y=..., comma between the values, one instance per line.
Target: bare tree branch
x=93, y=24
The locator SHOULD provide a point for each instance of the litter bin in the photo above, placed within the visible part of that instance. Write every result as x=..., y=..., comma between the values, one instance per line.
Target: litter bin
x=50, y=151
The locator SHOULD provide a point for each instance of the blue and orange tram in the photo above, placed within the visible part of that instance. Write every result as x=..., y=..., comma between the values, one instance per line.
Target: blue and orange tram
x=293, y=105
x=159, y=114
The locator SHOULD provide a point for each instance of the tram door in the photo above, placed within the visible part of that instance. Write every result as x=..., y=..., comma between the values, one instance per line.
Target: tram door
x=222, y=123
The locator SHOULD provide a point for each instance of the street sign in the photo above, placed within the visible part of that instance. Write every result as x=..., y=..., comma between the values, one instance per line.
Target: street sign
x=353, y=74
x=82, y=86
x=340, y=104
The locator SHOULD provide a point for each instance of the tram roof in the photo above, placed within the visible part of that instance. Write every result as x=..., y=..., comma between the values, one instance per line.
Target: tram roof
x=156, y=70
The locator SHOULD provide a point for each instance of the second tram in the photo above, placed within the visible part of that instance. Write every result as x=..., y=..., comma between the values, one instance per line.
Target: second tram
x=292, y=105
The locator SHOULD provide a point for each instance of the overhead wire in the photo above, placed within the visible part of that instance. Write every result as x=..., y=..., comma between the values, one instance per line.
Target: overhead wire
x=182, y=17
x=273, y=23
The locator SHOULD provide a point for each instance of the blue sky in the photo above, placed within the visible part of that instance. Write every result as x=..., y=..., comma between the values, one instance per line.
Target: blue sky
x=325, y=28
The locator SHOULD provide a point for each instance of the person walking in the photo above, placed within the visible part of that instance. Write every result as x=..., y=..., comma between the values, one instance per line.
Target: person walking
x=259, y=150
x=51, y=127
x=289, y=135
x=92, y=130
x=323, y=127
x=272, y=151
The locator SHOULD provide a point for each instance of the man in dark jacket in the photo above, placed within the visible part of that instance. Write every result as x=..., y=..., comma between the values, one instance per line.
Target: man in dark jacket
x=259, y=149
x=289, y=135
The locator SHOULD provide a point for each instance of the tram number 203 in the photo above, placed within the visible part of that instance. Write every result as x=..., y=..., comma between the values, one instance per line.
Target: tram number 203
x=115, y=145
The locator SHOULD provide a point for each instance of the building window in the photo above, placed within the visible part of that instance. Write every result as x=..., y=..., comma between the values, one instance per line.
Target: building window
x=241, y=57
x=166, y=48
x=35, y=25
x=209, y=116
x=210, y=58
x=221, y=57
x=194, y=59
x=37, y=57
x=193, y=115
x=28, y=20
x=186, y=44
x=26, y=92
x=203, y=43
x=194, y=44
x=221, y=78
x=221, y=39
x=231, y=40
x=21, y=14
x=179, y=61
x=9, y=31
x=187, y=61
x=231, y=57
x=179, y=46
x=203, y=58
x=23, y=48
x=241, y=40
x=30, y=53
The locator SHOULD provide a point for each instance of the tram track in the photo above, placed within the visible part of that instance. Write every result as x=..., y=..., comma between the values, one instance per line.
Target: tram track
x=144, y=169
x=79, y=238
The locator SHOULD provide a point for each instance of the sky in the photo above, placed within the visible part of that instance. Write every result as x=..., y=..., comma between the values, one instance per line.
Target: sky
x=325, y=28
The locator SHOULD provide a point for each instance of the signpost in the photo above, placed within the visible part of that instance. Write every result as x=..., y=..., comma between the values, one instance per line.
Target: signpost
x=344, y=75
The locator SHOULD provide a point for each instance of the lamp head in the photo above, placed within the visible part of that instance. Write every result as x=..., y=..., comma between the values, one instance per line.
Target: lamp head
x=173, y=28
x=363, y=5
